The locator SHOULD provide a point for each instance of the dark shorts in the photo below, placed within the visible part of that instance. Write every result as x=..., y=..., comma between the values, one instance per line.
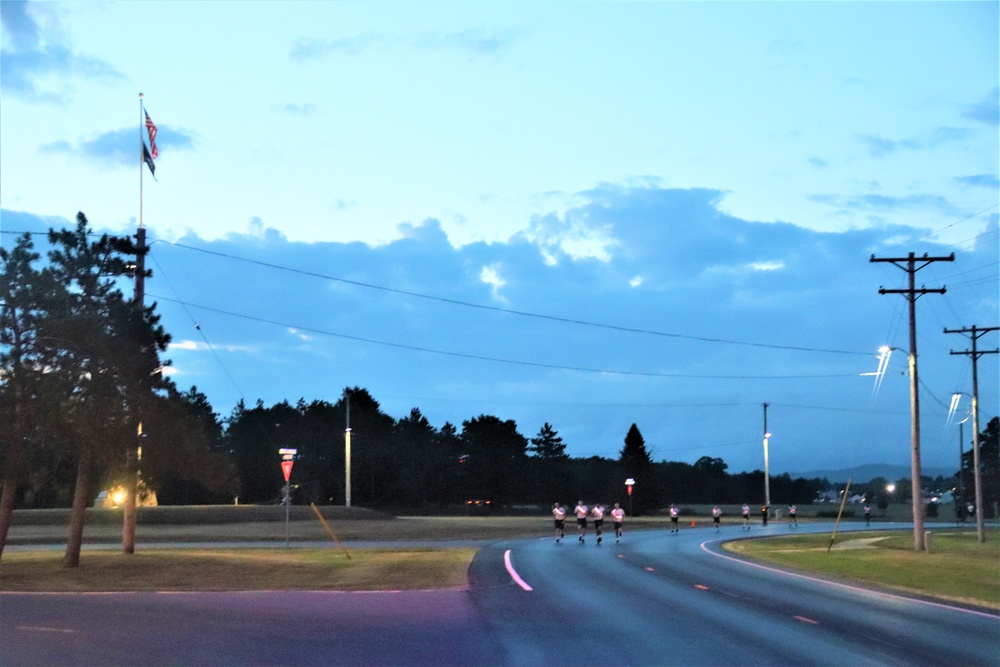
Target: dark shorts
x=716, y=519
x=674, y=519
x=618, y=525
x=582, y=523
x=598, y=523
x=560, y=523
x=746, y=516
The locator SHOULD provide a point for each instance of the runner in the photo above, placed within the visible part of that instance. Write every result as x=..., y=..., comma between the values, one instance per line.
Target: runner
x=716, y=517
x=559, y=518
x=581, y=519
x=597, y=514
x=763, y=515
x=868, y=515
x=794, y=520
x=618, y=516
x=673, y=519
x=746, y=516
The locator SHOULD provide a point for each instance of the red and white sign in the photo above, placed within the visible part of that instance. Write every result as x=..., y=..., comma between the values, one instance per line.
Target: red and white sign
x=286, y=467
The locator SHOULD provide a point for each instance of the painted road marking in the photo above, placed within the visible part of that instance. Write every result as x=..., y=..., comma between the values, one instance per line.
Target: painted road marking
x=701, y=587
x=513, y=573
x=805, y=619
x=36, y=628
x=649, y=569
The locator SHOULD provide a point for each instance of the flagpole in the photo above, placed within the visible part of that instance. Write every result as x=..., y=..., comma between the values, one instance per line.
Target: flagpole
x=133, y=454
x=142, y=146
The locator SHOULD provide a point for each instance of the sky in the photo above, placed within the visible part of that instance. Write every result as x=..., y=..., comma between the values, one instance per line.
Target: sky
x=582, y=214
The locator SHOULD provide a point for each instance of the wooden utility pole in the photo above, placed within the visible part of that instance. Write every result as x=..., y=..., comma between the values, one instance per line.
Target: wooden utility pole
x=910, y=265
x=974, y=334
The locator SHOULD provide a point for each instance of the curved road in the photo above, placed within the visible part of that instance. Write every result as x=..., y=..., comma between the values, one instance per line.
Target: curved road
x=675, y=599
x=655, y=599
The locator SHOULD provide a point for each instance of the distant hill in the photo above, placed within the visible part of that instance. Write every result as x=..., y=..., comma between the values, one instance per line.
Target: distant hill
x=866, y=473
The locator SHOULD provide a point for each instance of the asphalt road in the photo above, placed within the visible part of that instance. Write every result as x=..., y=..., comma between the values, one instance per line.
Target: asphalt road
x=675, y=599
x=655, y=599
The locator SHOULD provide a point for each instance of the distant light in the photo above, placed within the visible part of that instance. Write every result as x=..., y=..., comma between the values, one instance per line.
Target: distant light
x=890, y=487
x=767, y=435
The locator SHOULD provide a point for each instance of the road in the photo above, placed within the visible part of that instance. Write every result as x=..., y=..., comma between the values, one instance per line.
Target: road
x=675, y=599
x=655, y=599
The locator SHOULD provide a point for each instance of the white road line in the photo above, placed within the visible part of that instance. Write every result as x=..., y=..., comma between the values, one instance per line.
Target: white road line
x=513, y=573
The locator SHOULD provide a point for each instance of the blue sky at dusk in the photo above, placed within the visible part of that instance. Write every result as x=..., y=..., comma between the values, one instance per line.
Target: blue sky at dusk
x=587, y=214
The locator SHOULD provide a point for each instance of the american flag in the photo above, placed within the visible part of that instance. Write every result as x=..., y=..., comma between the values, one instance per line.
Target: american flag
x=151, y=128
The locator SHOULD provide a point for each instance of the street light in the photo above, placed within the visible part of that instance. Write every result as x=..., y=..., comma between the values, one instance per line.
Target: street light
x=976, y=473
x=956, y=398
x=767, y=475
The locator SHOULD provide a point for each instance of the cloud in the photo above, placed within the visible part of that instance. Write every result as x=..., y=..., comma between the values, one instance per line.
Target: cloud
x=32, y=56
x=884, y=203
x=879, y=147
x=986, y=111
x=312, y=49
x=119, y=147
x=712, y=308
x=471, y=41
x=980, y=181
x=303, y=110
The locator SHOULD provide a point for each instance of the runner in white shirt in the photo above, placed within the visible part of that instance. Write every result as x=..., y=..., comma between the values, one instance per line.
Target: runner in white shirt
x=792, y=516
x=673, y=519
x=559, y=518
x=716, y=517
x=597, y=514
x=618, y=516
x=746, y=516
x=581, y=518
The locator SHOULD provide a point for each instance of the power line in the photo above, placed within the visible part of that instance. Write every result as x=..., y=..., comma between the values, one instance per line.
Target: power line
x=510, y=311
x=498, y=359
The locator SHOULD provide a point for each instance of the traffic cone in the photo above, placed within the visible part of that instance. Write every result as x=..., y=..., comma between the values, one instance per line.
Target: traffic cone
x=692, y=523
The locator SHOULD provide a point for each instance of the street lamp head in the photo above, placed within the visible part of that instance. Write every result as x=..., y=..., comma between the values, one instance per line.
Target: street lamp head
x=767, y=435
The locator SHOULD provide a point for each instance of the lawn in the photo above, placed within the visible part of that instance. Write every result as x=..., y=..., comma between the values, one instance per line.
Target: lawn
x=238, y=570
x=958, y=567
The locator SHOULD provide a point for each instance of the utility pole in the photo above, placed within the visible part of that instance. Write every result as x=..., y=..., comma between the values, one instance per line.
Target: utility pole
x=910, y=265
x=975, y=333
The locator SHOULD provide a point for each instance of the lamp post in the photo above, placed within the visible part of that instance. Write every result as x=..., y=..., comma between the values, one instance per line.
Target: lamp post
x=976, y=473
x=955, y=400
x=767, y=474
x=347, y=455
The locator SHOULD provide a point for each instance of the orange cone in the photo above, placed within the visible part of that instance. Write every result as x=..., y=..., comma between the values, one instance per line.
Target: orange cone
x=692, y=524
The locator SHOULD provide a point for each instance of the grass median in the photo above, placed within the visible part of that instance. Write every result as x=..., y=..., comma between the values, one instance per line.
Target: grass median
x=239, y=570
x=958, y=568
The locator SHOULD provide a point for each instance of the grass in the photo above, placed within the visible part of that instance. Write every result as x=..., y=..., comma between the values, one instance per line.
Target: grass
x=238, y=570
x=958, y=568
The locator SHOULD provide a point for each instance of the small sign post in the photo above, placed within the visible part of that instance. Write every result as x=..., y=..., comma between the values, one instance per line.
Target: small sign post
x=287, y=460
x=629, y=483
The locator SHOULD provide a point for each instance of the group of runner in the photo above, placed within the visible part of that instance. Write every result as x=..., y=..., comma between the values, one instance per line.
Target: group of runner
x=596, y=513
x=583, y=514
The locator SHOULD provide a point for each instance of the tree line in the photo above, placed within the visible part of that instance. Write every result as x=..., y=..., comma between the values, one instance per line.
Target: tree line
x=84, y=405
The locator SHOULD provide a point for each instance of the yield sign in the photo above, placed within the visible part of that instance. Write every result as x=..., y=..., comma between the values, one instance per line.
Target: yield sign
x=286, y=467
